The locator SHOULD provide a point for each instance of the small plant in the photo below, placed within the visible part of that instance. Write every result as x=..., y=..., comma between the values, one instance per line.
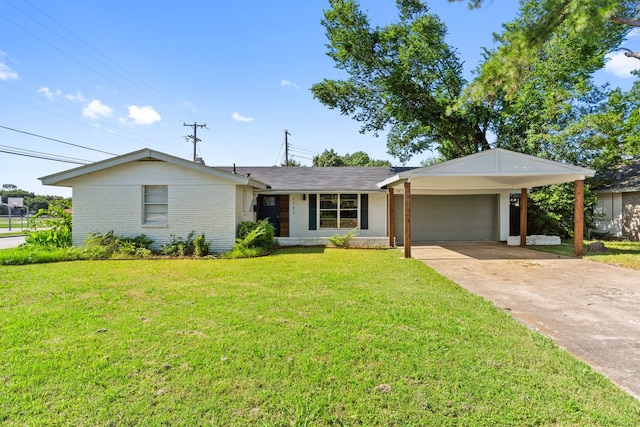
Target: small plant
x=342, y=241
x=190, y=246
x=110, y=245
x=253, y=239
x=56, y=221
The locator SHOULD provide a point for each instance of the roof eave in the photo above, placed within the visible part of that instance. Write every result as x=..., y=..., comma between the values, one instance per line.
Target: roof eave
x=61, y=177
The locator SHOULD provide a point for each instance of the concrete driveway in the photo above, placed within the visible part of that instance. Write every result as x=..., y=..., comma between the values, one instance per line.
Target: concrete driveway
x=10, y=242
x=592, y=310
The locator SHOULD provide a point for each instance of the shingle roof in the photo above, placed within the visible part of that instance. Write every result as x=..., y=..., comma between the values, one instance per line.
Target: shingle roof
x=627, y=177
x=309, y=179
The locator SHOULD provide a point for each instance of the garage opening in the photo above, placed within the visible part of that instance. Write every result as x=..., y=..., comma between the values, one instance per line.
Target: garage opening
x=450, y=218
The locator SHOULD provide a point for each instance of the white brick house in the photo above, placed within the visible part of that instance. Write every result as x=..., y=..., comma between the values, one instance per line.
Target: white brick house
x=152, y=193
x=159, y=195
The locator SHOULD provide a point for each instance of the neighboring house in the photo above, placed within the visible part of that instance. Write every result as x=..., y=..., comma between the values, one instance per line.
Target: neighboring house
x=152, y=193
x=618, y=208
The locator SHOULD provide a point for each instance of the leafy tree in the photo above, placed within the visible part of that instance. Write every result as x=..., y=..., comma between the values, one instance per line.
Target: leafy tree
x=534, y=93
x=402, y=77
x=9, y=187
x=292, y=163
x=31, y=201
x=591, y=28
x=359, y=158
x=328, y=158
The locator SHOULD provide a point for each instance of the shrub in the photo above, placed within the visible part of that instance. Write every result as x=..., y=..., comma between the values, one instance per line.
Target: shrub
x=190, y=246
x=342, y=241
x=253, y=239
x=263, y=238
x=110, y=245
x=56, y=221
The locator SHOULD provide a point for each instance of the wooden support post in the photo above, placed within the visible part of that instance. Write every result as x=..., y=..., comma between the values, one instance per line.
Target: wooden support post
x=391, y=217
x=578, y=218
x=407, y=219
x=523, y=217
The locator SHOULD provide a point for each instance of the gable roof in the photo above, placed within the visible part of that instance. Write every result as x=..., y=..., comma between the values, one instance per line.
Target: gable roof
x=147, y=154
x=495, y=169
x=314, y=179
x=626, y=178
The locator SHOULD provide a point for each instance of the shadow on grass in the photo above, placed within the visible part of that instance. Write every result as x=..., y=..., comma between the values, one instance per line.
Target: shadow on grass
x=286, y=250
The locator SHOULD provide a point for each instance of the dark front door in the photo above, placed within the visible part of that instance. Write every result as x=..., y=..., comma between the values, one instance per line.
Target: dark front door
x=269, y=208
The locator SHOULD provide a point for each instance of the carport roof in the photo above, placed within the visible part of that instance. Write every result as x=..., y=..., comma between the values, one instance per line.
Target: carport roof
x=496, y=169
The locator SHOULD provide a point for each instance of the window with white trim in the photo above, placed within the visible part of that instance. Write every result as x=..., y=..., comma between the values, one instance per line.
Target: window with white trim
x=338, y=210
x=156, y=205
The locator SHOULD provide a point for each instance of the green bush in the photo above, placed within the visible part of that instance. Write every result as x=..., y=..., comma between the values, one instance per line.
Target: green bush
x=56, y=223
x=190, y=246
x=264, y=237
x=342, y=241
x=110, y=245
x=253, y=239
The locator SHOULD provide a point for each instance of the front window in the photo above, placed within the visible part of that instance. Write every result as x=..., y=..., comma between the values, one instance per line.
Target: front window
x=156, y=207
x=338, y=210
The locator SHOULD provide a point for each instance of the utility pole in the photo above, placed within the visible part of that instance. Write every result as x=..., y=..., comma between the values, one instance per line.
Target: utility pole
x=286, y=147
x=194, y=137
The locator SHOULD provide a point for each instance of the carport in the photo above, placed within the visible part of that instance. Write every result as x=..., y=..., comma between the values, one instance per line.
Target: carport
x=458, y=194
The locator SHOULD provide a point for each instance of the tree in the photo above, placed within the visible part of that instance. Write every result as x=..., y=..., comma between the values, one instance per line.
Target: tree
x=328, y=158
x=31, y=201
x=402, y=77
x=595, y=28
x=534, y=93
x=292, y=163
x=359, y=158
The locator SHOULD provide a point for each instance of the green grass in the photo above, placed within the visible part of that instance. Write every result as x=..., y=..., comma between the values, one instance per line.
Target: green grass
x=16, y=222
x=39, y=255
x=304, y=337
x=621, y=254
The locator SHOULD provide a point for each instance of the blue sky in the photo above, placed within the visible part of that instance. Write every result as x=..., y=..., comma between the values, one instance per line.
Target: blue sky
x=117, y=76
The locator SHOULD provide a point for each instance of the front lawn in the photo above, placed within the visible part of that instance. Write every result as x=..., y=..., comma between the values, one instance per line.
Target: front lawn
x=320, y=337
x=621, y=254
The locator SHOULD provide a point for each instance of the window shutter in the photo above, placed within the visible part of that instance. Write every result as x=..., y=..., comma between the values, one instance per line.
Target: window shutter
x=364, y=211
x=313, y=225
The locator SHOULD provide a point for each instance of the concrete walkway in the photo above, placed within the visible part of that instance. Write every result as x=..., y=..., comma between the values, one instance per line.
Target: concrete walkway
x=592, y=310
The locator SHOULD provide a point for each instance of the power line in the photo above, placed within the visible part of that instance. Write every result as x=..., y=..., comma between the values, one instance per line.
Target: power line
x=144, y=83
x=57, y=140
x=77, y=121
x=37, y=155
x=72, y=57
x=40, y=153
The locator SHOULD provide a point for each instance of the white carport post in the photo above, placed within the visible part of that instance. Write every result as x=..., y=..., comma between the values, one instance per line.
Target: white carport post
x=523, y=216
x=391, y=217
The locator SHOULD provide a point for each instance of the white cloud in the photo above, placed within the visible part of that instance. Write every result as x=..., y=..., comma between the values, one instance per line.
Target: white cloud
x=6, y=73
x=48, y=93
x=143, y=115
x=238, y=118
x=96, y=109
x=289, y=83
x=621, y=66
x=77, y=97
